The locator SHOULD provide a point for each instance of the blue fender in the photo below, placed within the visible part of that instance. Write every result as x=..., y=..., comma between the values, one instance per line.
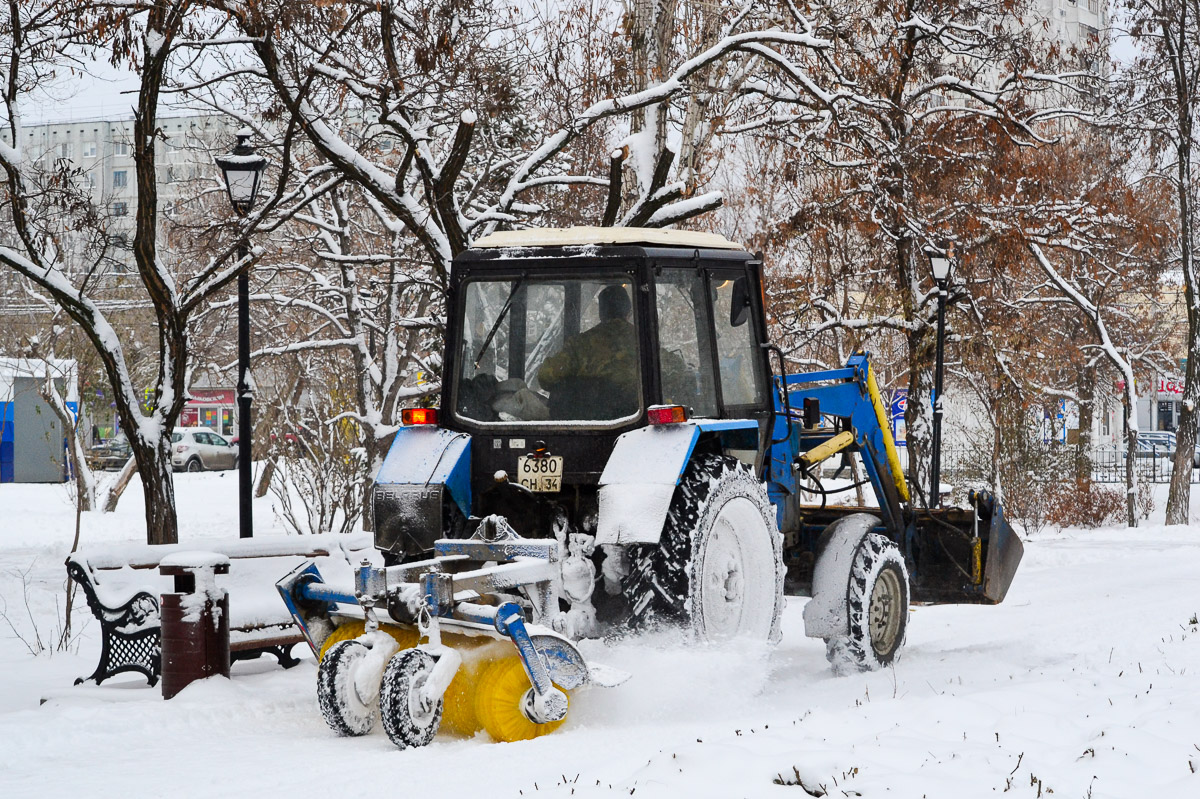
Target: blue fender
x=646, y=465
x=424, y=456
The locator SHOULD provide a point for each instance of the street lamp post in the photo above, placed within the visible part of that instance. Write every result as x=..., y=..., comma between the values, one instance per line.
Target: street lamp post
x=243, y=170
x=940, y=261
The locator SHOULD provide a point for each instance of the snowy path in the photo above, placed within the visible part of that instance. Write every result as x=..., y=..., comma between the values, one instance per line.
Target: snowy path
x=1084, y=680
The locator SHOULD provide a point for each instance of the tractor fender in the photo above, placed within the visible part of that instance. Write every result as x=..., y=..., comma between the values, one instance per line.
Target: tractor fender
x=424, y=458
x=646, y=465
x=825, y=614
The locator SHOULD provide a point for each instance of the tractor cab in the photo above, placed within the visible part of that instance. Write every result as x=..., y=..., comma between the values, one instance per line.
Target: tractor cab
x=559, y=341
x=585, y=329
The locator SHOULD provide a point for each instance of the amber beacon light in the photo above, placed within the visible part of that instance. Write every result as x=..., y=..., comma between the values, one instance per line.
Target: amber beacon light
x=666, y=414
x=412, y=416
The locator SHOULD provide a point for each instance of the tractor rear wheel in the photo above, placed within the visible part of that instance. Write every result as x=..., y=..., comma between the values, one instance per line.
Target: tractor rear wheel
x=718, y=567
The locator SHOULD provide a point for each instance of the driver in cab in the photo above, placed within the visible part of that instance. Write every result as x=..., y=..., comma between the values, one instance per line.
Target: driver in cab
x=595, y=375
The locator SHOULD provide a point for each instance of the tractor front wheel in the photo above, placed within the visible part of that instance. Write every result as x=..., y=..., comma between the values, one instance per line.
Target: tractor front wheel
x=718, y=567
x=876, y=608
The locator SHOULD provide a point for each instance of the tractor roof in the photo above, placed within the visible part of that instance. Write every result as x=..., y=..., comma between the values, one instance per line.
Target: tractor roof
x=583, y=236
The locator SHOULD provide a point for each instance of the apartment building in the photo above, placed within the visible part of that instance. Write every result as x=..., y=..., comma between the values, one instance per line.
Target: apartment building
x=101, y=150
x=1074, y=23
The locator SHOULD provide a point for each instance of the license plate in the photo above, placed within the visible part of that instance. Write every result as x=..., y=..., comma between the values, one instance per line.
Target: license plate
x=540, y=474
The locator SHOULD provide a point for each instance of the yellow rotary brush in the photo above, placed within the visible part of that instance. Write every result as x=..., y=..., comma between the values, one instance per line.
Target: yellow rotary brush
x=486, y=692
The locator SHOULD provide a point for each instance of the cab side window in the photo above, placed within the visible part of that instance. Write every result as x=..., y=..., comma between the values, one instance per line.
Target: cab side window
x=684, y=341
x=738, y=353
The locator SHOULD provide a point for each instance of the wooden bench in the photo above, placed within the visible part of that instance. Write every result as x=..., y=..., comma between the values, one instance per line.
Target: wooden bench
x=122, y=585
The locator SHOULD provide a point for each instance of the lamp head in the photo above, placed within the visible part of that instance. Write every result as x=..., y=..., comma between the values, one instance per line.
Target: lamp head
x=941, y=261
x=242, y=170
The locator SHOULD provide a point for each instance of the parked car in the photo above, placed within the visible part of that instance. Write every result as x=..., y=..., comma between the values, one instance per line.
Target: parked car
x=110, y=454
x=197, y=448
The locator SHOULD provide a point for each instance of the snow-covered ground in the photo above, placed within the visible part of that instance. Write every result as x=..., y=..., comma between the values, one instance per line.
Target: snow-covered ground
x=1083, y=683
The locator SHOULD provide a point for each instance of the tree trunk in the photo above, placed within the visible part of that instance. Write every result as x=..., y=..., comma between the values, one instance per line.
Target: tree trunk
x=997, y=455
x=85, y=481
x=1086, y=393
x=64, y=639
x=651, y=26
x=918, y=412
x=1131, y=437
x=158, y=485
x=113, y=495
x=1180, y=493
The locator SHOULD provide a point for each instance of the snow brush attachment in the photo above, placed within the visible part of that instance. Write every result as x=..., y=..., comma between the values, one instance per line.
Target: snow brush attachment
x=487, y=691
x=455, y=652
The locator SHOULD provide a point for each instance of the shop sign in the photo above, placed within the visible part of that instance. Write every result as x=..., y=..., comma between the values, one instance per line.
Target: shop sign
x=1170, y=386
x=217, y=396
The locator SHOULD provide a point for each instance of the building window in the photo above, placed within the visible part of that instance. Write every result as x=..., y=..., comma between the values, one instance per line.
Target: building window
x=1094, y=6
x=120, y=179
x=120, y=148
x=1166, y=415
x=89, y=149
x=63, y=149
x=120, y=209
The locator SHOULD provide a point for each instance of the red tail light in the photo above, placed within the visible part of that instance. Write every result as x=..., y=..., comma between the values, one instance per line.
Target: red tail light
x=410, y=416
x=666, y=414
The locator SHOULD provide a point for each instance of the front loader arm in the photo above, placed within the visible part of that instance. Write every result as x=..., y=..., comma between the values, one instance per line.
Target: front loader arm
x=851, y=394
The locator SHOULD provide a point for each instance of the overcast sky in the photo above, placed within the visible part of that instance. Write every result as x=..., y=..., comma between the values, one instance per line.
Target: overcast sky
x=99, y=94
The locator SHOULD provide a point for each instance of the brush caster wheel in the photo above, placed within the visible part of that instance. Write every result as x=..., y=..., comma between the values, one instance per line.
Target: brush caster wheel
x=344, y=710
x=408, y=719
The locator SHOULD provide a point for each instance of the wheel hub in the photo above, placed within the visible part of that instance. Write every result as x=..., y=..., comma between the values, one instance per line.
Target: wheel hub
x=733, y=580
x=883, y=615
x=420, y=706
x=735, y=601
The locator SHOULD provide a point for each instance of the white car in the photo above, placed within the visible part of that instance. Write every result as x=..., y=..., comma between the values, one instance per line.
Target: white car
x=196, y=448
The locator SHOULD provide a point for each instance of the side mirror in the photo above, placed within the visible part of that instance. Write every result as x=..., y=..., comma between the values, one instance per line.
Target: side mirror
x=739, y=304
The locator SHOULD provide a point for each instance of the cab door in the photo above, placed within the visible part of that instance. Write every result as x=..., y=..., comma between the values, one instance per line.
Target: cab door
x=741, y=361
x=683, y=328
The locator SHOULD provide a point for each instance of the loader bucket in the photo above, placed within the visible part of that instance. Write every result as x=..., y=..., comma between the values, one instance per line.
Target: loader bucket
x=1004, y=550
x=966, y=555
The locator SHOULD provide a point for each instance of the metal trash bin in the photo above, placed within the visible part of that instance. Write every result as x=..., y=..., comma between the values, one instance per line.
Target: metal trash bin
x=195, y=620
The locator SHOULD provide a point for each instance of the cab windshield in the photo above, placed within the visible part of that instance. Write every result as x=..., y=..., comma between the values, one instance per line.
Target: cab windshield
x=548, y=350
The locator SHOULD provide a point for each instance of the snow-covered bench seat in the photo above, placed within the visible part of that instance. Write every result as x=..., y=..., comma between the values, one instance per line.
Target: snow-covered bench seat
x=122, y=586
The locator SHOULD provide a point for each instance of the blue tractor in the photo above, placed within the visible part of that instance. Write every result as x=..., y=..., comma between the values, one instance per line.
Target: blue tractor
x=614, y=452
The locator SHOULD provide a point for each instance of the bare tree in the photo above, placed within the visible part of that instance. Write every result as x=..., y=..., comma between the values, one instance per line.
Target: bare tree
x=891, y=167
x=49, y=34
x=1124, y=358
x=1158, y=98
